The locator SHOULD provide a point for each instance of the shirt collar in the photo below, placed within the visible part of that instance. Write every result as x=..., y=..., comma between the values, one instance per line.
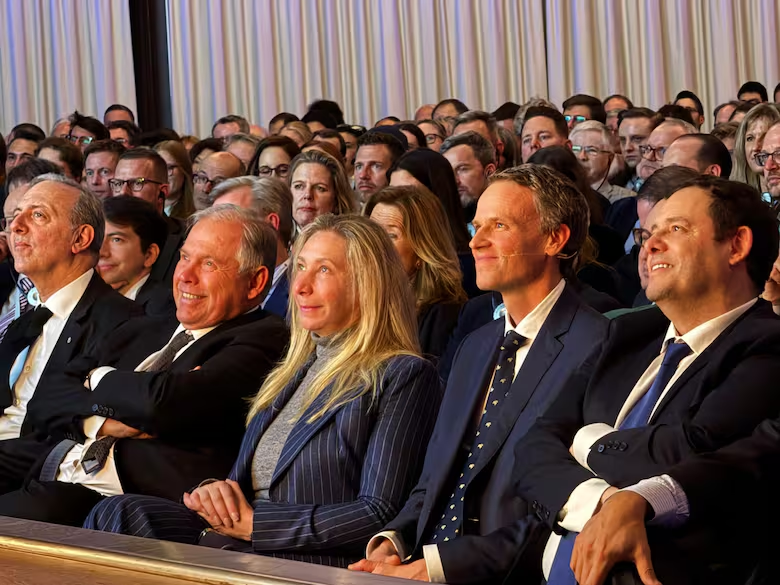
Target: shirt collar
x=279, y=270
x=700, y=337
x=62, y=302
x=531, y=324
x=132, y=293
x=196, y=333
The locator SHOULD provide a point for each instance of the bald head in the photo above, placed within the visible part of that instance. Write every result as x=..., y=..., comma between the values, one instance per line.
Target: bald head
x=702, y=153
x=214, y=169
x=658, y=142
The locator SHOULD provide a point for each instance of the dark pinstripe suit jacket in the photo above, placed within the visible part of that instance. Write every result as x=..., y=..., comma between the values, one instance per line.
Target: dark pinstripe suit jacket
x=341, y=478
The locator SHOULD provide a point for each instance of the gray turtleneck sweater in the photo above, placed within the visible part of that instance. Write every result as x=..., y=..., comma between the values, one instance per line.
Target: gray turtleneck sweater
x=269, y=447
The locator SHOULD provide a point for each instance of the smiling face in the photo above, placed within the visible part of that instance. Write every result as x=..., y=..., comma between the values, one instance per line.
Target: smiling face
x=508, y=246
x=323, y=285
x=207, y=285
x=122, y=261
x=684, y=261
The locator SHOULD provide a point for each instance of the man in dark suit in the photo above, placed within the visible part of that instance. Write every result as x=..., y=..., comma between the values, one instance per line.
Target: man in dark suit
x=272, y=200
x=178, y=417
x=141, y=172
x=135, y=234
x=54, y=238
x=463, y=522
x=692, y=375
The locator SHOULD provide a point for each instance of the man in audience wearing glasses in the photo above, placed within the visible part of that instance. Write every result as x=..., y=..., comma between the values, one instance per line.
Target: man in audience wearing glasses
x=660, y=139
x=141, y=172
x=214, y=169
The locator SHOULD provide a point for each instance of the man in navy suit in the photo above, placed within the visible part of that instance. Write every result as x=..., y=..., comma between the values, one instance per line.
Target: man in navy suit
x=695, y=373
x=463, y=521
x=272, y=200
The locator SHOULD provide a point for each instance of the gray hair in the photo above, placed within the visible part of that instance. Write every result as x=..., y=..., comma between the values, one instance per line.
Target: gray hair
x=519, y=120
x=241, y=137
x=88, y=209
x=689, y=128
x=484, y=151
x=258, y=238
x=269, y=195
x=594, y=126
x=479, y=116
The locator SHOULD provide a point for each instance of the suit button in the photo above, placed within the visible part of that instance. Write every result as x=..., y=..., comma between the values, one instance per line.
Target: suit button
x=623, y=446
x=95, y=408
x=547, y=513
x=110, y=412
x=601, y=448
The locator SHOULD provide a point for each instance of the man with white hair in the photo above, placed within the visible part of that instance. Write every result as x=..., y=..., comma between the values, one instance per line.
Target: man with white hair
x=592, y=144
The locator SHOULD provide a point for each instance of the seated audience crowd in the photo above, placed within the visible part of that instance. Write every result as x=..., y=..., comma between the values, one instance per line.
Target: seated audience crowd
x=533, y=345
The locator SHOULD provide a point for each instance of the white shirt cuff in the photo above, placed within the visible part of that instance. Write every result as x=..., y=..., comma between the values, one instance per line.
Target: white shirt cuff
x=582, y=503
x=433, y=564
x=92, y=426
x=97, y=375
x=390, y=535
x=667, y=499
x=585, y=438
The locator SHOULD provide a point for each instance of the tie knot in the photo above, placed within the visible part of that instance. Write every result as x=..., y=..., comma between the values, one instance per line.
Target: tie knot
x=675, y=352
x=512, y=340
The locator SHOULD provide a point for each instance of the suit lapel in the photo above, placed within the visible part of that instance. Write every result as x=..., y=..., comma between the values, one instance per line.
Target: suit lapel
x=242, y=469
x=541, y=356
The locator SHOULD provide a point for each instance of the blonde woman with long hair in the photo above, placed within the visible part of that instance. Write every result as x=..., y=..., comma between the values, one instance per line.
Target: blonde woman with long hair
x=336, y=436
x=750, y=136
x=415, y=220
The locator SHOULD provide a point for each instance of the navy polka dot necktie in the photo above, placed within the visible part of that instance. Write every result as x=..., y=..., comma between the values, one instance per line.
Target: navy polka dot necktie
x=451, y=521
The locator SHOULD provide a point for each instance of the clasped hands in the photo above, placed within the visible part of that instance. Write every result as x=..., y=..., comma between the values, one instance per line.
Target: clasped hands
x=223, y=505
x=384, y=560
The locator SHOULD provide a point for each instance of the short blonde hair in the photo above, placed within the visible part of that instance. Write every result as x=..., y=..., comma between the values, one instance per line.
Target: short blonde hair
x=439, y=279
x=386, y=327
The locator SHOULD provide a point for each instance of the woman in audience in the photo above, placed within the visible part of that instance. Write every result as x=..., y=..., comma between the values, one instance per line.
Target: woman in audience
x=202, y=150
x=414, y=136
x=179, y=202
x=427, y=168
x=750, y=135
x=435, y=133
x=297, y=131
x=319, y=186
x=336, y=436
x=415, y=221
x=273, y=157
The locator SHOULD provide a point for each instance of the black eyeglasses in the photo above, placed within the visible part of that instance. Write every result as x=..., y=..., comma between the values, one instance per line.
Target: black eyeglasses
x=658, y=151
x=136, y=185
x=279, y=171
x=202, y=179
x=762, y=157
x=589, y=150
x=431, y=138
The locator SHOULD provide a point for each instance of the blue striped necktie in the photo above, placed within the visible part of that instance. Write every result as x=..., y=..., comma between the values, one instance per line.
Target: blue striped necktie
x=23, y=285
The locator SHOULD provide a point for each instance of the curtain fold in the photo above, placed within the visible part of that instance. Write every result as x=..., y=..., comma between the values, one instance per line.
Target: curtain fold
x=652, y=49
x=60, y=55
x=375, y=57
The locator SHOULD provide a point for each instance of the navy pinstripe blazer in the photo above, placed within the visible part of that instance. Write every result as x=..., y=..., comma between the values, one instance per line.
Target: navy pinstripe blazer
x=340, y=479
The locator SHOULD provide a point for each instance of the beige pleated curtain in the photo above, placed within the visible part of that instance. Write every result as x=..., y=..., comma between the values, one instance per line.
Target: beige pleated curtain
x=60, y=55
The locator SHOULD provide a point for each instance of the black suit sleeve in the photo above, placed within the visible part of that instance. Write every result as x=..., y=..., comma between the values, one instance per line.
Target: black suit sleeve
x=745, y=397
x=176, y=403
x=545, y=471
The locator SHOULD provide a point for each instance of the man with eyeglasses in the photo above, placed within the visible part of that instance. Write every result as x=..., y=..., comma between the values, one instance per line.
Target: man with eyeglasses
x=660, y=139
x=214, y=169
x=592, y=145
x=691, y=102
x=84, y=130
x=702, y=153
x=141, y=172
x=581, y=107
x=100, y=160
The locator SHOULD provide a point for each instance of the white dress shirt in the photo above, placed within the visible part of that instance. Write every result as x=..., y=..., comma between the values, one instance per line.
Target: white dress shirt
x=61, y=304
x=584, y=499
x=132, y=292
x=529, y=328
x=106, y=480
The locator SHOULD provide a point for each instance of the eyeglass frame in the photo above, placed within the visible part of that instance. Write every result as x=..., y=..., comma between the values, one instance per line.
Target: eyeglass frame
x=775, y=156
x=645, y=149
x=199, y=178
x=116, y=185
x=435, y=136
x=575, y=148
x=79, y=140
x=273, y=170
x=578, y=118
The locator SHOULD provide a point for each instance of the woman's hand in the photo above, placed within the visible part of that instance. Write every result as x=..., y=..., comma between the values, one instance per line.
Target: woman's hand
x=223, y=505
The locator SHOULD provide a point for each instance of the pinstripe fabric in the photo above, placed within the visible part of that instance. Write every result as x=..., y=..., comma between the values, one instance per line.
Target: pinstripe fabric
x=338, y=481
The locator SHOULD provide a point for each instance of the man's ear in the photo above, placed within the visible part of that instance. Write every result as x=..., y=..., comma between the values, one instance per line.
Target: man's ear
x=741, y=244
x=151, y=255
x=557, y=240
x=257, y=282
x=273, y=219
x=82, y=239
x=490, y=169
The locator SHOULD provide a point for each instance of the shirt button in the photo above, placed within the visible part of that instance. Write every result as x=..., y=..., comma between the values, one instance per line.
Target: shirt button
x=17, y=402
x=27, y=369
